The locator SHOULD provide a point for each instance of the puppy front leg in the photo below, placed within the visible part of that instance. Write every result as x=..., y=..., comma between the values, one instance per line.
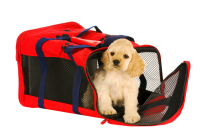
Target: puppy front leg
x=105, y=103
x=130, y=103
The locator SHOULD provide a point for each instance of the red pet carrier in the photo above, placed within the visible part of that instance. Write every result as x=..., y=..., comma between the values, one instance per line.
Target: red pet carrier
x=55, y=66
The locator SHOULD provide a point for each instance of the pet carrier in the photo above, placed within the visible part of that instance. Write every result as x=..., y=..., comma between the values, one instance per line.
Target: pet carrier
x=55, y=65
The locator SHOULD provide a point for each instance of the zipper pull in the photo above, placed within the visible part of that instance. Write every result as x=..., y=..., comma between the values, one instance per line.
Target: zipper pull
x=104, y=121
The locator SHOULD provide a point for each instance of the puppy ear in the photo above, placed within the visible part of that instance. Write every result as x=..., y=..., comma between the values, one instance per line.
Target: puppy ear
x=105, y=60
x=136, y=65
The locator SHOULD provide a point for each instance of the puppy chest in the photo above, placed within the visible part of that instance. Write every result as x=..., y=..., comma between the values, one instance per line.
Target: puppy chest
x=116, y=89
x=119, y=80
x=116, y=93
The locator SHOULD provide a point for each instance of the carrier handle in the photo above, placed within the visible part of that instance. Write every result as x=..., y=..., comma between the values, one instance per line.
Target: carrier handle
x=85, y=31
x=81, y=41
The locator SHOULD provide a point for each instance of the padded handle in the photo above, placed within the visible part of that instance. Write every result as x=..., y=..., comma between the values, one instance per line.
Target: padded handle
x=81, y=41
x=85, y=31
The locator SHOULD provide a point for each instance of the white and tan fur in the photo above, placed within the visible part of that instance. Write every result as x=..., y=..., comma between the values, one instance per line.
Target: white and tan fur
x=116, y=83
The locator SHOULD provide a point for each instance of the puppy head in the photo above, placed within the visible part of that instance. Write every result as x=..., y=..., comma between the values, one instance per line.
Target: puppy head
x=121, y=55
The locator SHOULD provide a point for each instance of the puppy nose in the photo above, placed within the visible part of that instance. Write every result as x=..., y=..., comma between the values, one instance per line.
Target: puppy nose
x=116, y=62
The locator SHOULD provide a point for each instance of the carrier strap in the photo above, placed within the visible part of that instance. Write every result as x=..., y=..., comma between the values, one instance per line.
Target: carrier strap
x=43, y=68
x=77, y=79
x=85, y=31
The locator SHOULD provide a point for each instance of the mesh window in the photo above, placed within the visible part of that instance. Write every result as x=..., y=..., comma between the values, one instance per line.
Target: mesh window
x=59, y=79
x=152, y=70
x=156, y=105
x=25, y=74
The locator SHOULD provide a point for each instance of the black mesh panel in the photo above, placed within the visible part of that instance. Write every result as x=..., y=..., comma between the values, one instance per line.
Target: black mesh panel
x=156, y=105
x=59, y=79
x=25, y=74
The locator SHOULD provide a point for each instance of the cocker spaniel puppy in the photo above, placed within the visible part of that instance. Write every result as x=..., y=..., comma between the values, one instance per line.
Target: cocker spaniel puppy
x=115, y=80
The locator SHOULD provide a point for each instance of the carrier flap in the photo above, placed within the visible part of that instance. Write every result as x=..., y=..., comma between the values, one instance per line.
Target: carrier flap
x=165, y=104
x=178, y=98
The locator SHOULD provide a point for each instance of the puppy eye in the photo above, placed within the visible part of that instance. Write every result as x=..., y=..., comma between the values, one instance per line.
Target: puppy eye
x=126, y=56
x=112, y=53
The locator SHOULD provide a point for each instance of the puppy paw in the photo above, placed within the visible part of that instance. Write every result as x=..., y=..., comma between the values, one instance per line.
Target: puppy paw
x=108, y=111
x=131, y=118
